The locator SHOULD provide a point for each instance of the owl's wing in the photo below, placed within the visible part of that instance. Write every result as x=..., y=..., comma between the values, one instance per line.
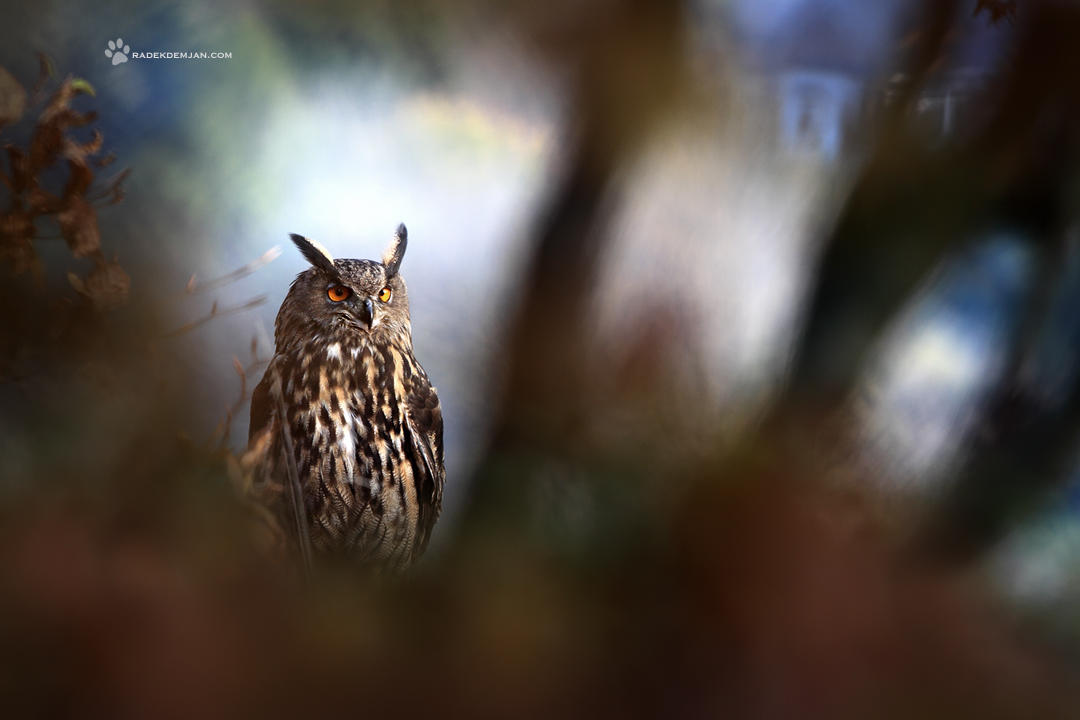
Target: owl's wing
x=424, y=419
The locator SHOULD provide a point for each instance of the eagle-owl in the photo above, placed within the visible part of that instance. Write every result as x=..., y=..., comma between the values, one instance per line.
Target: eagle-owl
x=363, y=421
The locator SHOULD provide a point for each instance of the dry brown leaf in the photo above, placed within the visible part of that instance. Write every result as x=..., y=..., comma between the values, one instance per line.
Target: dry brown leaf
x=41, y=202
x=58, y=103
x=77, y=283
x=107, y=286
x=80, y=177
x=16, y=225
x=12, y=99
x=45, y=146
x=78, y=225
x=21, y=177
x=78, y=152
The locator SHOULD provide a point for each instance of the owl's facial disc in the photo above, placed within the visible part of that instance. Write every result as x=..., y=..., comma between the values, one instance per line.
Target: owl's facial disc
x=360, y=309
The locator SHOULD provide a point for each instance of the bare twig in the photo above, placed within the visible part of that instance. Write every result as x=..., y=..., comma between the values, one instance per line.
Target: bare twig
x=224, y=428
x=215, y=313
x=46, y=71
x=194, y=288
x=113, y=191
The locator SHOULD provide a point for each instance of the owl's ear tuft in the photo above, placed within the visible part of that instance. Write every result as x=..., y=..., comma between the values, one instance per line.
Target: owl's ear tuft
x=395, y=251
x=315, y=253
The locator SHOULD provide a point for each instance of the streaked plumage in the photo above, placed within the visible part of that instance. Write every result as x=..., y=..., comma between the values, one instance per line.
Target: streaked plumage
x=364, y=420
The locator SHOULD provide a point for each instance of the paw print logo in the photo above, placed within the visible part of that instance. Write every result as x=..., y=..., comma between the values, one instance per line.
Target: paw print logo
x=118, y=51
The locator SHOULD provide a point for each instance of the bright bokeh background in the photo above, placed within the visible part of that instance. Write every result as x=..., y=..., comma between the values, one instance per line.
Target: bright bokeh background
x=339, y=122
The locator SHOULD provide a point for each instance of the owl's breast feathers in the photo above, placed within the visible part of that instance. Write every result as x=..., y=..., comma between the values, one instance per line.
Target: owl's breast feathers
x=366, y=427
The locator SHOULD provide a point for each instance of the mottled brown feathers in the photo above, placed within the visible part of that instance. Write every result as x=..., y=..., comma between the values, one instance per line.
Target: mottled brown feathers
x=364, y=419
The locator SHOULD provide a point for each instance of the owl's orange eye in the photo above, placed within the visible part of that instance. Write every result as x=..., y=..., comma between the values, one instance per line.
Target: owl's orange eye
x=384, y=294
x=337, y=293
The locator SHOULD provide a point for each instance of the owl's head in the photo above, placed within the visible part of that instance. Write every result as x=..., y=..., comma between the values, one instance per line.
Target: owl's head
x=365, y=299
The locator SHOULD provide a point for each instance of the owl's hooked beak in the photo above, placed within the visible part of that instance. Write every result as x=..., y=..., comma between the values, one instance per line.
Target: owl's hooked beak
x=365, y=312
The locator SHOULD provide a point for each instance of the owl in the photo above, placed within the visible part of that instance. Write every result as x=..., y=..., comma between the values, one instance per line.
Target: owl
x=355, y=410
